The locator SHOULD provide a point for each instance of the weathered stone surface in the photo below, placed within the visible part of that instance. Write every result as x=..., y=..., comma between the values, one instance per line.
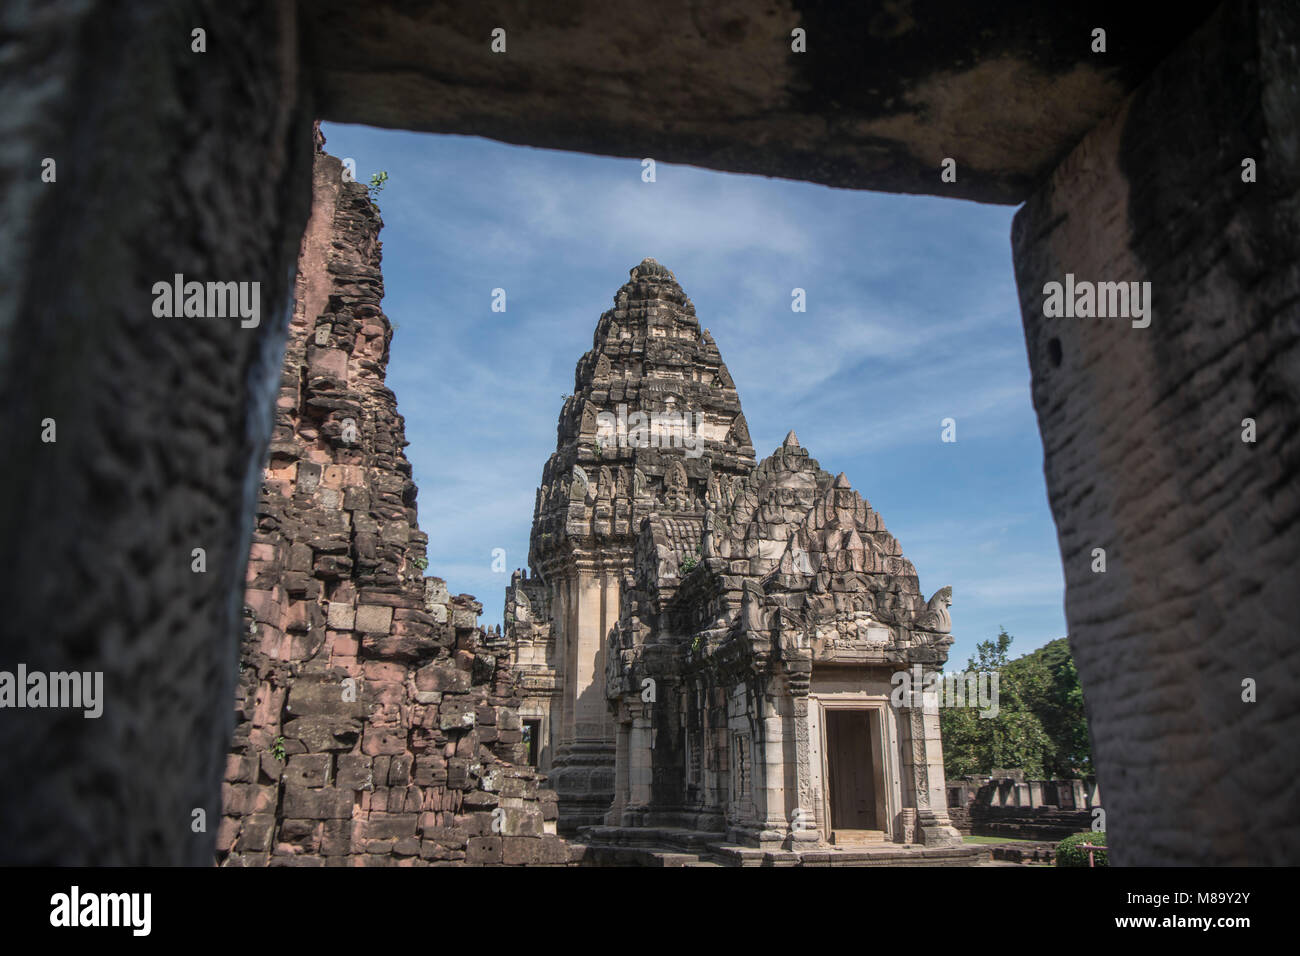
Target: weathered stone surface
x=307, y=770
x=391, y=826
x=882, y=95
x=442, y=677
x=341, y=615
x=1142, y=440
x=382, y=669
x=355, y=772
x=484, y=849
x=160, y=421
x=324, y=733
x=317, y=804
x=372, y=618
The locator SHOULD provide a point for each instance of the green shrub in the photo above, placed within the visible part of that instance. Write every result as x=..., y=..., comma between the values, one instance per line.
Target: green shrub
x=1069, y=853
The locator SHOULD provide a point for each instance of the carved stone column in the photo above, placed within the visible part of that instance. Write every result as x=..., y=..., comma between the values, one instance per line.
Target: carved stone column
x=640, y=764
x=803, y=824
x=621, y=776
x=933, y=826
x=774, y=754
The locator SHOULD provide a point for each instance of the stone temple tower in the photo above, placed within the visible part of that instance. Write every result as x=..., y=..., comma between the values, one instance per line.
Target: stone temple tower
x=654, y=427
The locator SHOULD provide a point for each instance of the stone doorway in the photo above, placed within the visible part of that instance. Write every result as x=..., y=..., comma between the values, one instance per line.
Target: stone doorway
x=853, y=772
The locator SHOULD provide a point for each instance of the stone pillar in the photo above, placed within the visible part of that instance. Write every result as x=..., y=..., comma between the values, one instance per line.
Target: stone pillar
x=589, y=693
x=774, y=759
x=167, y=161
x=805, y=830
x=1078, y=795
x=566, y=620
x=1094, y=793
x=1191, y=187
x=583, y=771
x=640, y=764
x=933, y=826
x=622, y=793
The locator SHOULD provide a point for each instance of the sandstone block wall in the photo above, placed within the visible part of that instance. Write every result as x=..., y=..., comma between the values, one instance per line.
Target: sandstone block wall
x=377, y=722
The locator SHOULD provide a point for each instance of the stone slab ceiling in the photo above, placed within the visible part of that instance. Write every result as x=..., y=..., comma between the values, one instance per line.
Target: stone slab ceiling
x=884, y=92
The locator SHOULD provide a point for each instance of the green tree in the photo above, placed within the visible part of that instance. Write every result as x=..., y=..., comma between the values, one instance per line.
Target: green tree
x=1040, y=725
x=1049, y=686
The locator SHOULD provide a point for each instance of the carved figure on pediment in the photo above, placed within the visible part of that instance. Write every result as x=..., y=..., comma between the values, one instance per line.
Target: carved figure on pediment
x=886, y=607
x=581, y=486
x=620, y=483
x=605, y=484
x=740, y=431
x=638, y=483
x=791, y=633
x=713, y=492
x=602, y=366
x=588, y=426
x=707, y=547
x=677, y=475
x=677, y=494
x=935, y=617
x=751, y=607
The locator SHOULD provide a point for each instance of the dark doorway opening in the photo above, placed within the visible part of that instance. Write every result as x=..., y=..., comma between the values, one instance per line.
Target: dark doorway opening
x=533, y=740
x=850, y=753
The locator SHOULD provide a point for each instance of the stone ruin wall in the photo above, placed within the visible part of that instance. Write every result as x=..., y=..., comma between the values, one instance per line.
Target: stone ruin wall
x=1006, y=804
x=377, y=723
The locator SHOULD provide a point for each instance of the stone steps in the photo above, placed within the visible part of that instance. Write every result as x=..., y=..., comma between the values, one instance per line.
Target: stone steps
x=666, y=846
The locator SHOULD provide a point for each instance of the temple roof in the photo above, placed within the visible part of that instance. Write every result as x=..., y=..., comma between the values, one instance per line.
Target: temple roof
x=654, y=424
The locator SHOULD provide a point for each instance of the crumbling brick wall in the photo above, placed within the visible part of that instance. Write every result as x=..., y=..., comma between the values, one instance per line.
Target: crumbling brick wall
x=377, y=722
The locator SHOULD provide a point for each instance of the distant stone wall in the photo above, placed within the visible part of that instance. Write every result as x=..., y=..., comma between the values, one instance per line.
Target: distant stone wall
x=377, y=722
x=1006, y=804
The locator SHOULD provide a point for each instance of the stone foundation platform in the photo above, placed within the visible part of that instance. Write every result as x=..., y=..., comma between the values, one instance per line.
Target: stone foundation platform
x=664, y=846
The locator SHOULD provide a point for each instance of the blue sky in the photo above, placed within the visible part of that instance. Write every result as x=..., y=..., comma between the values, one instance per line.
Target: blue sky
x=911, y=318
